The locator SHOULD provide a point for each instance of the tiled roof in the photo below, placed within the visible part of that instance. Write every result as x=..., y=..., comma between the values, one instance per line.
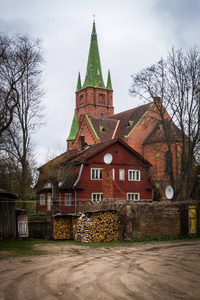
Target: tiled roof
x=158, y=135
x=71, y=161
x=129, y=119
x=104, y=127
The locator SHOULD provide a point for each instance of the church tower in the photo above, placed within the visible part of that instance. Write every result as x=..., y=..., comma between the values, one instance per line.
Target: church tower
x=93, y=97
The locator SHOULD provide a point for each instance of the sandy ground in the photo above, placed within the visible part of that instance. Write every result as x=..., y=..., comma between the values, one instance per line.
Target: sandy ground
x=158, y=271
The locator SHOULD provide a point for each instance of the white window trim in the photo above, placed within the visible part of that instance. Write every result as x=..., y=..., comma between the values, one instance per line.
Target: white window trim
x=96, y=201
x=67, y=204
x=138, y=196
x=99, y=170
x=42, y=199
x=134, y=179
x=121, y=174
x=113, y=174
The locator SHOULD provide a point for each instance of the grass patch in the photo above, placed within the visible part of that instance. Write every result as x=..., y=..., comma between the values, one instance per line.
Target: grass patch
x=24, y=247
x=14, y=248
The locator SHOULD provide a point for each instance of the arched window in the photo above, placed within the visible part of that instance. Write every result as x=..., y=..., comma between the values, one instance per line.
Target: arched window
x=168, y=161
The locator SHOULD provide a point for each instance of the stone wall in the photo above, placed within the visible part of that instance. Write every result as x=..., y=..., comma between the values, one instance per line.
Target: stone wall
x=126, y=220
x=156, y=219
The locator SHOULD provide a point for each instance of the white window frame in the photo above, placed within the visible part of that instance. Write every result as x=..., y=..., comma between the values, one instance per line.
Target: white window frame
x=121, y=174
x=97, y=197
x=42, y=199
x=68, y=202
x=133, y=196
x=113, y=174
x=96, y=174
x=134, y=175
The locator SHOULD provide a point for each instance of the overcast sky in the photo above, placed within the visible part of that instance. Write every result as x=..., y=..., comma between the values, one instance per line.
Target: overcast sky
x=132, y=34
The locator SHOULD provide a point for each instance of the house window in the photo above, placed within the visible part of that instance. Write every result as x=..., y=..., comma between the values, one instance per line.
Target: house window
x=133, y=196
x=121, y=174
x=96, y=174
x=113, y=174
x=97, y=197
x=68, y=199
x=42, y=199
x=133, y=175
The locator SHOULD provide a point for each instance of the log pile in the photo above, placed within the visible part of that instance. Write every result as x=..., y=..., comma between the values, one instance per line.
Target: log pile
x=62, y=228
x=101, y=226
x=74, y=226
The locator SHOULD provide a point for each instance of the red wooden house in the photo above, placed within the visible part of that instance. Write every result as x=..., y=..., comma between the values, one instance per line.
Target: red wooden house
x=111, y=169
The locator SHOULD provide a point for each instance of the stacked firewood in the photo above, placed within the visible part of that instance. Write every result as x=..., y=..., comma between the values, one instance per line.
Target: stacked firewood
x=62, y=228
x=74, y=226
x=102, y=226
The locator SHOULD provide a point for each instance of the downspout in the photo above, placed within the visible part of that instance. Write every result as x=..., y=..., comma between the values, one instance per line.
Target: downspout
x=75, y=191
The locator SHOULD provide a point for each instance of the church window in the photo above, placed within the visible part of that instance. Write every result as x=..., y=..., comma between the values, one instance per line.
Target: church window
x=101, y=98
x=168, y=161
x=81, y=99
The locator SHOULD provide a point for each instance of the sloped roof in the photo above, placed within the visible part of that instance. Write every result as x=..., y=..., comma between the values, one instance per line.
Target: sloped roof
x=104, y=127
x=158, y=135
x=129, y=119
x=71, y=162
x=94, y=77
x=74, y=129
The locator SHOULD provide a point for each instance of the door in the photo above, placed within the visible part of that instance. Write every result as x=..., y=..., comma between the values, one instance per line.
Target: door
x=192, y=219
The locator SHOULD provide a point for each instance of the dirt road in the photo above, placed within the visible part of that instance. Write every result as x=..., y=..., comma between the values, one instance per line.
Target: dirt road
x=158, y=271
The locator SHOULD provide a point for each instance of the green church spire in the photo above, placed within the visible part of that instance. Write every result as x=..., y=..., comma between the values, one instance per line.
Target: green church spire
x=94, y=76
x=78, y=88
x=109, y=84
x=74, y=129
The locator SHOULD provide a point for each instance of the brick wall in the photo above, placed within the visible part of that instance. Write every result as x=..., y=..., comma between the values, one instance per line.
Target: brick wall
x=156, y=219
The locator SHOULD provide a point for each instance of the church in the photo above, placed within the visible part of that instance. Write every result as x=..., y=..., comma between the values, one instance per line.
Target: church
x=95, y=130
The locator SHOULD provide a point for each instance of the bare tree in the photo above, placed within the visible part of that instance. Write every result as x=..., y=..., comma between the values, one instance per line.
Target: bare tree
x=27, y=115
x=176, y=80
x=11, y=71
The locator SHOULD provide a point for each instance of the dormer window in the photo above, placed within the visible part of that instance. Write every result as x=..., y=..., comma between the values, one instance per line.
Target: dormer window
x=102, y=129
x=130, y=123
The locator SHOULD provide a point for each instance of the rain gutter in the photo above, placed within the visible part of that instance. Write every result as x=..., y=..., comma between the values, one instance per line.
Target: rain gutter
x=75, y=191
